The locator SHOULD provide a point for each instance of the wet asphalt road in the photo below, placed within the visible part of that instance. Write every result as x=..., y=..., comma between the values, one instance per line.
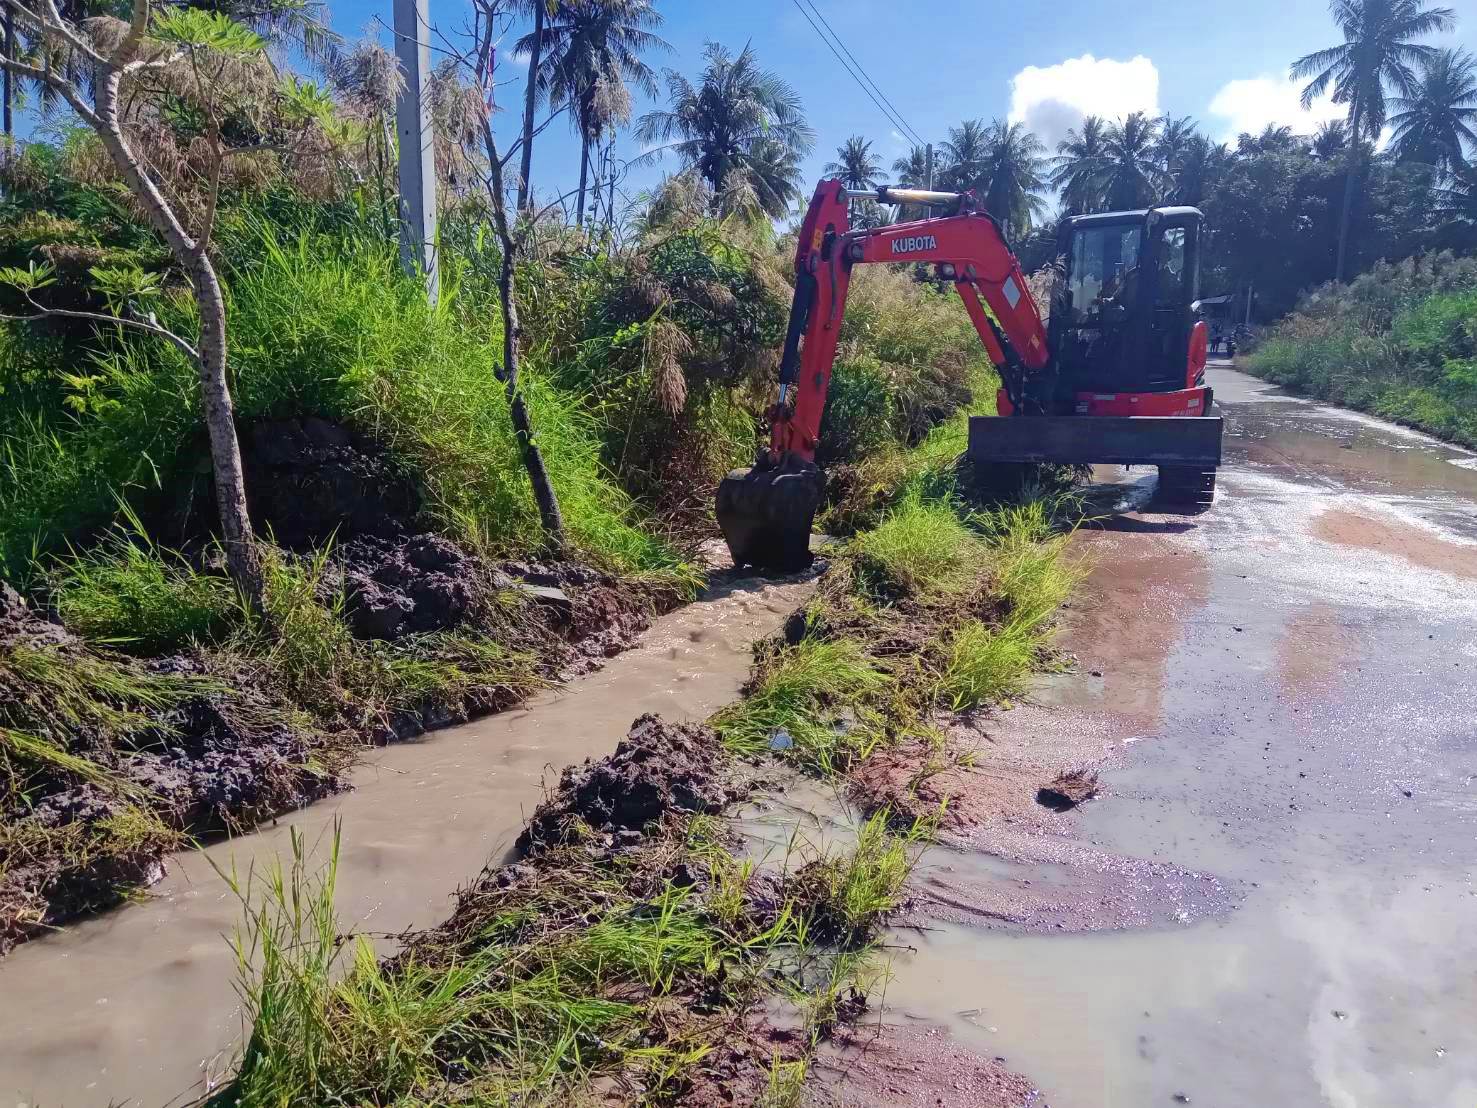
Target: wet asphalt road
x=1290, y=679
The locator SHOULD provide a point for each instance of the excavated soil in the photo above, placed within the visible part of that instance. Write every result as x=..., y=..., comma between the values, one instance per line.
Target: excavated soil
x=233, y=755
x=657, y=769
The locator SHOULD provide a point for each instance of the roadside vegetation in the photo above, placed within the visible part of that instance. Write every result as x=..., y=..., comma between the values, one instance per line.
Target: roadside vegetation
x=1399, y=342
x=405, y=575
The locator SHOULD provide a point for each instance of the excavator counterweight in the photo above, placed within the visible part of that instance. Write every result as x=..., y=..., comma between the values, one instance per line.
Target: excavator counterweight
x=1117, y=377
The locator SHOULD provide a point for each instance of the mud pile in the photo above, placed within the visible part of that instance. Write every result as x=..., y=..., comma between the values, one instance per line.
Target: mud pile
x=657, y=769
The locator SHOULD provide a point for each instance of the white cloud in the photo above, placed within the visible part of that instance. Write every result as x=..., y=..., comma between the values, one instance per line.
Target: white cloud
x=1254, y=103
x=898, y=140
x=1051, y=100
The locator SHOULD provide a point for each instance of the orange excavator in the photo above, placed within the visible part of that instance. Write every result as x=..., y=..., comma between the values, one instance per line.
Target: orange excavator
x=1118, y=376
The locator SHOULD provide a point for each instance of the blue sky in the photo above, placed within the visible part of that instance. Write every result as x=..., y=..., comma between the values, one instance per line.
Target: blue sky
x=1223, y=63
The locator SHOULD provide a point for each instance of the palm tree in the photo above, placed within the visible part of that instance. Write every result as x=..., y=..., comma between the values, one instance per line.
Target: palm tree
x=590, y=53
x=1173, y=141
x=741, y=128
x=1272, y=140
x=855, y=167
x=964, y=153
x=1377, y=49
x=1435, y=124
x=1198, y=168
x=1079, y=165
x=1015, y=161
x=1131, y=174
x=1330, y=140
x=912, y=171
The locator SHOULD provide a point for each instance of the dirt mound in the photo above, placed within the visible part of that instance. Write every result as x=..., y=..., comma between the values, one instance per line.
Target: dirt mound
x=406, y=583
x=658, y=768
x=310, y=480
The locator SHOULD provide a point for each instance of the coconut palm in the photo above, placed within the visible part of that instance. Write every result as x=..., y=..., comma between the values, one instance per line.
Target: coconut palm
x=1131, y=174
x=1173, y=141
x=1272, y=140
x=590, y=56
x=1078, y=168
x=1330, y=140
x=1015, y=164
x=1377, y=50
x=741, y=127
x=1198, y=168
x=912, y=171
x=1435, y=125
x=965, y=152
x=855, y=167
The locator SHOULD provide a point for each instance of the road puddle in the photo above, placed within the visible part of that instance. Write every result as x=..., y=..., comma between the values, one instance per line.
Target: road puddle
x=138, y=1004
x=1293, y=717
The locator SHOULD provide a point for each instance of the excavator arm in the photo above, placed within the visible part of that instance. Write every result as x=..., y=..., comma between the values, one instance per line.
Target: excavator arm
x=966, y=247
x=766, y=512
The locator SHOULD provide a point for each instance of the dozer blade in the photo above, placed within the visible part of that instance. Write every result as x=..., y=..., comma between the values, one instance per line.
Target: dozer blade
x=766, y=513
x=1192, y=441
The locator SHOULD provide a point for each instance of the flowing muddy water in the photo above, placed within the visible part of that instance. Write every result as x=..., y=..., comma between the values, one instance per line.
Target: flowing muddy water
x=1284, y=686
x=138, y=1005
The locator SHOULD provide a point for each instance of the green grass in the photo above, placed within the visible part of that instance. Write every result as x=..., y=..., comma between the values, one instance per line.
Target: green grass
x=125, y=591
x=817, y=693
x=921, y=548
x=984, y=664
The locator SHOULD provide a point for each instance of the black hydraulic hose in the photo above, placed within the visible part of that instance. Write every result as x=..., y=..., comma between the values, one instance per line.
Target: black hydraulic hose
x=800, y=304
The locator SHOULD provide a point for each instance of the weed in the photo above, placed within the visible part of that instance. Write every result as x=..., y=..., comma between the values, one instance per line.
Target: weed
x=984, y=664
x=126, y=591
x=844, y=894
x=921, y=548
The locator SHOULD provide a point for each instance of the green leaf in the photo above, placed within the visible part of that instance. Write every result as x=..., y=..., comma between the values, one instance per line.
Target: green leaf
x=305, y=101
x=125, y=282
x=200, y=28
x=30, y=279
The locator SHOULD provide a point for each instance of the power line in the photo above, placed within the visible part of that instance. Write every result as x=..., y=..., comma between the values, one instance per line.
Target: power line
x=891, y=113
x=896, y=114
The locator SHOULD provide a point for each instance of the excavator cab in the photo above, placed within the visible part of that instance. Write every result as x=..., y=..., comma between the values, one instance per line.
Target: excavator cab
x=1124, y=320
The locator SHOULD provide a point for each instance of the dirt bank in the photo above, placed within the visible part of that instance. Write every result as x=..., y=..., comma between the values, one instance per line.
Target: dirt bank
x=116, y=760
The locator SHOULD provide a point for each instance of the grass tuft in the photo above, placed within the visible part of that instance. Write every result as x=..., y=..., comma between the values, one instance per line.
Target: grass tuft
x=921, y=548
x=814, y=693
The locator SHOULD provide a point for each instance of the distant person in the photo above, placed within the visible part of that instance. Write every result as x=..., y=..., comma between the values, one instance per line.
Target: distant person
x=1215, y=339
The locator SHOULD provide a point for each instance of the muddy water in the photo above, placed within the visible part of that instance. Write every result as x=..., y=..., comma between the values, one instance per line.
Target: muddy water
x=1292, y=701
x=138, y=1005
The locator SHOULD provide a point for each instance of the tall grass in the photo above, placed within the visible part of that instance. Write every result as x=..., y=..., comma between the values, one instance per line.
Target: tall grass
x=321, y=325
x=128, y=591
x=921, y=548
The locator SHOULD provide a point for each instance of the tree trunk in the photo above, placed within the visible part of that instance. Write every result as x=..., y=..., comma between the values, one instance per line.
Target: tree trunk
x=544, y=496
x=533, y=459
x=9, y=90
x=579, y=217
x=610, y=204
x=530, y=97
x=1344, y=216
x=243, y=559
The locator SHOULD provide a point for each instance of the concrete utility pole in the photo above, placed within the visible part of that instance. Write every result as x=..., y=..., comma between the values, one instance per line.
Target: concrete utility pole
x=929, y=157
x=417, y=144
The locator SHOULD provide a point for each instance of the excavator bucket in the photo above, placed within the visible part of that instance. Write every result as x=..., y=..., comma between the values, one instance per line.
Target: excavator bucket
x=766, y=513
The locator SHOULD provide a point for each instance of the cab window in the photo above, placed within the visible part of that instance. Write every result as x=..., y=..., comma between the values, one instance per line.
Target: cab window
x=1172, y=268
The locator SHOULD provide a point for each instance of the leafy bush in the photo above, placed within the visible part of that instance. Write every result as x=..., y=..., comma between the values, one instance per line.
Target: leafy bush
x=1399, y=341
